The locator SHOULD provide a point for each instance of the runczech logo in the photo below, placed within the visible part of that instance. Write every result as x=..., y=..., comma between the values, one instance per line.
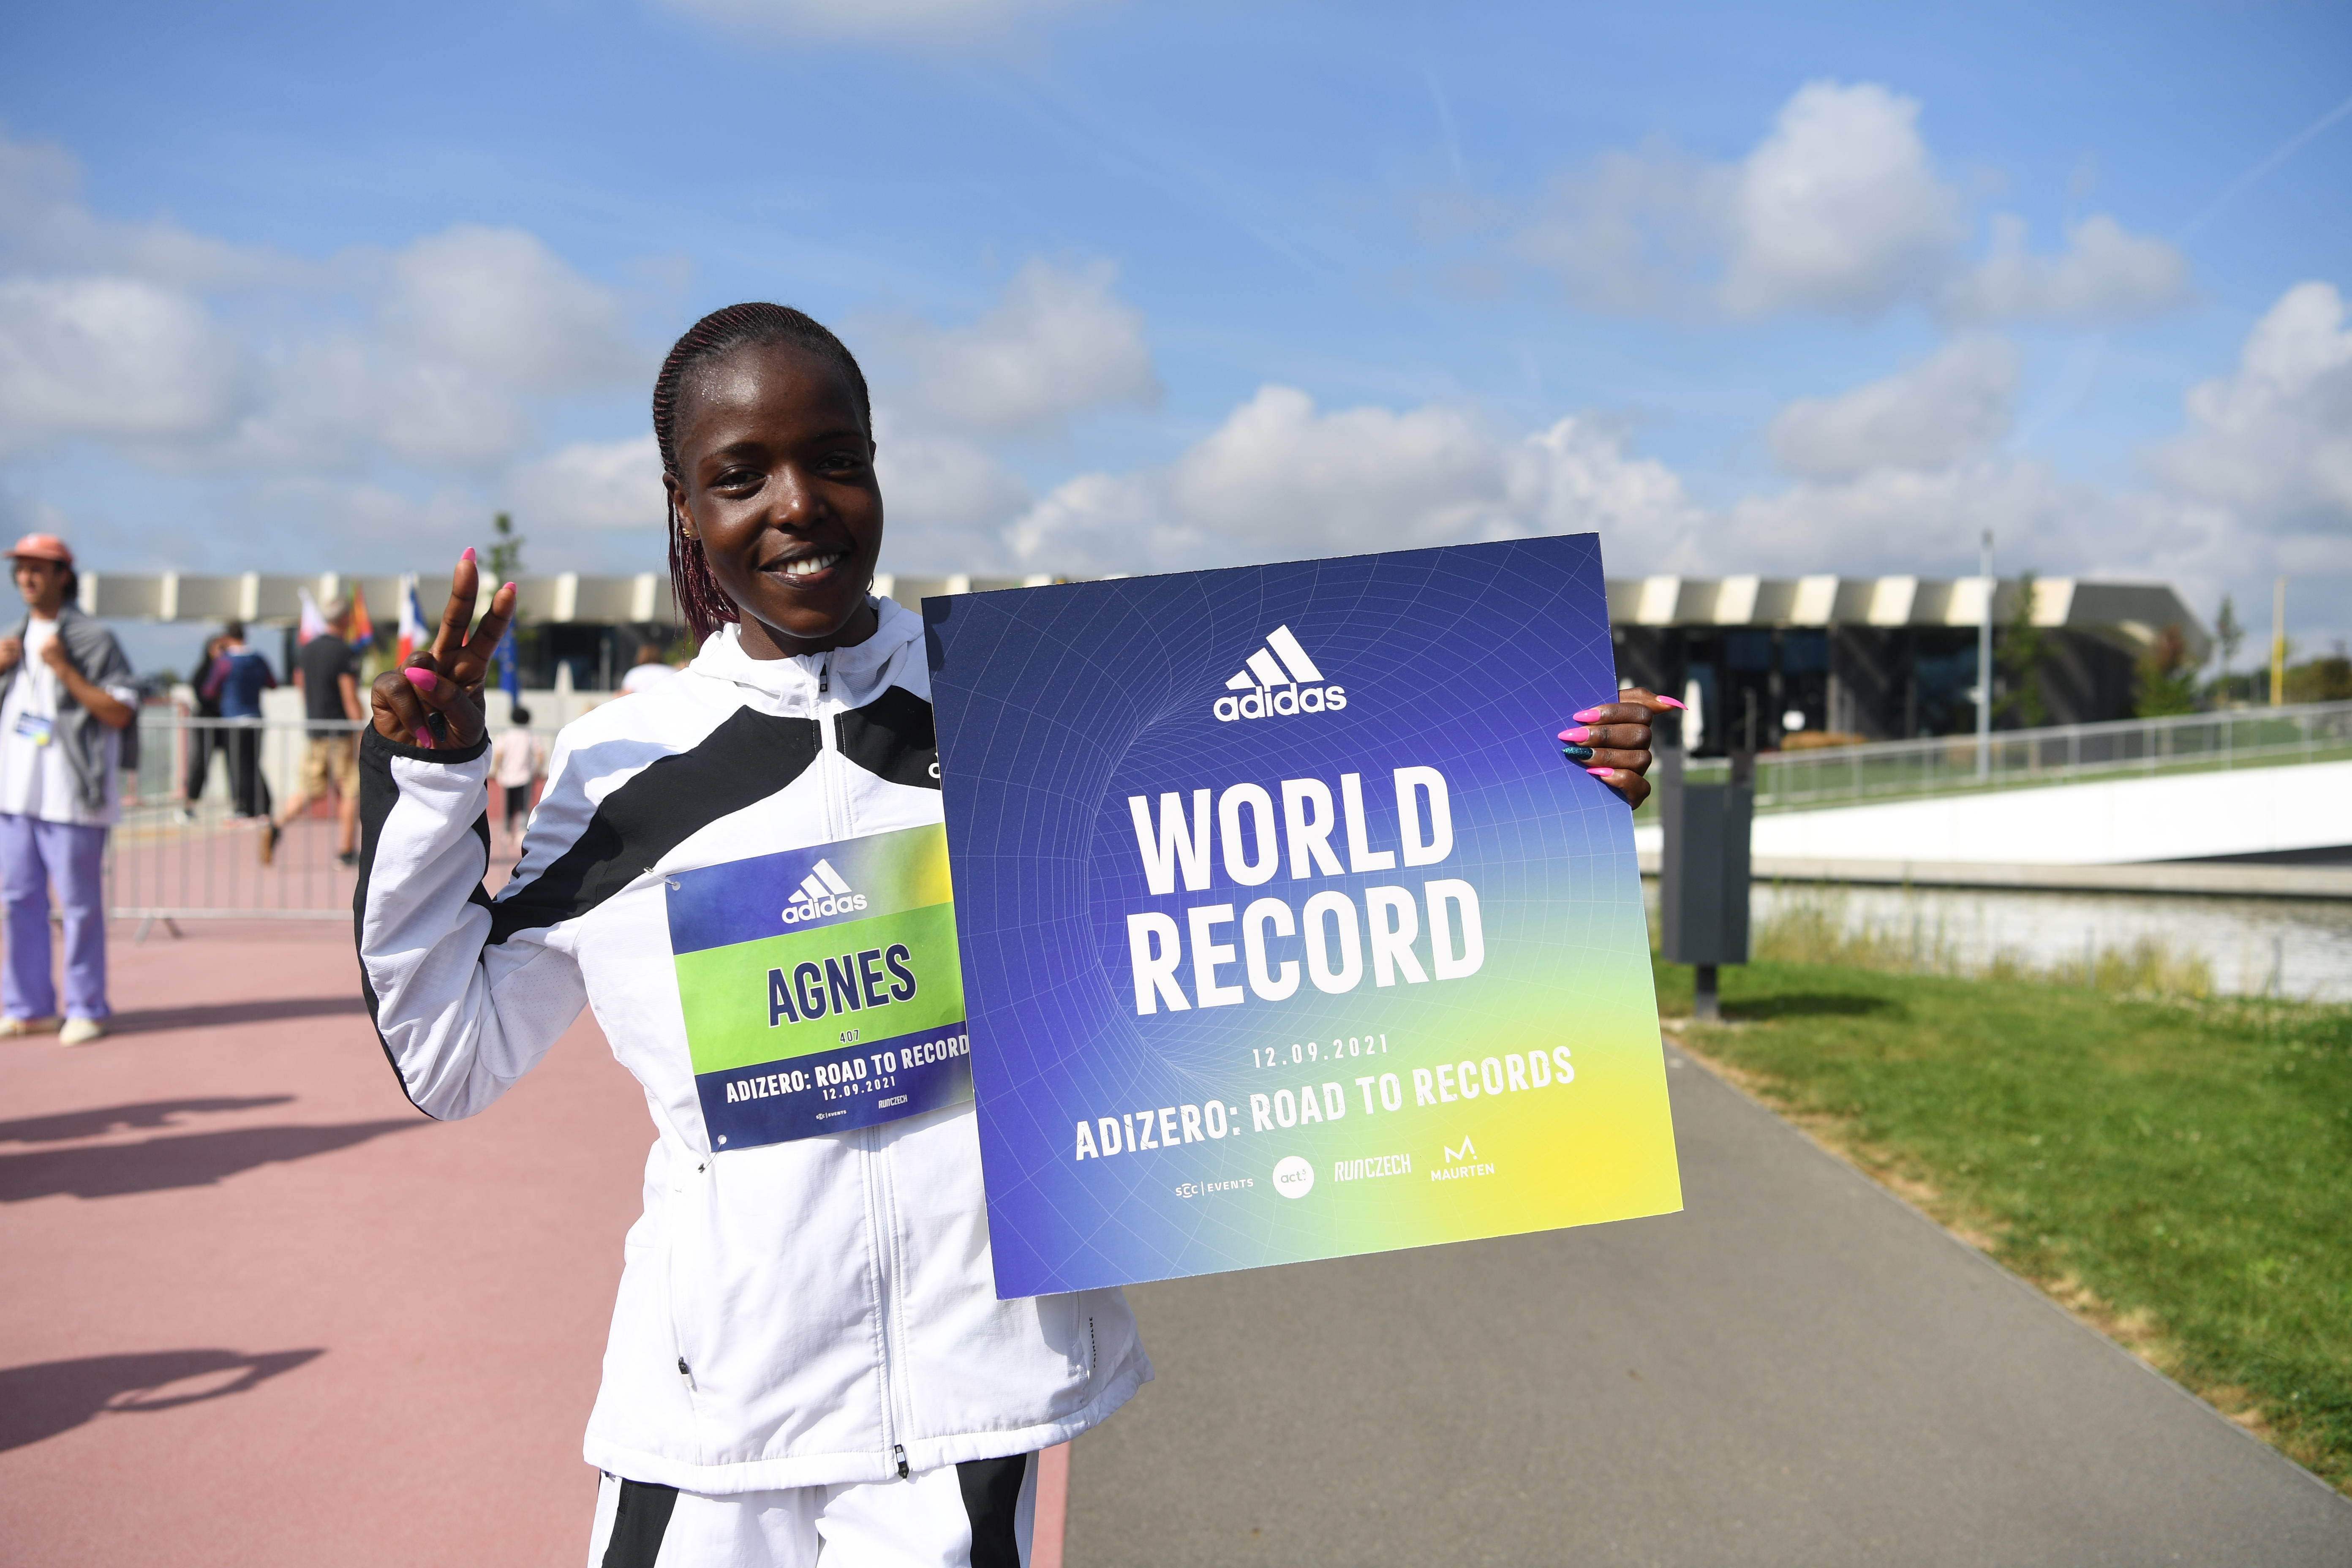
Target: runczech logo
x=821, y=893
x=1277, y=681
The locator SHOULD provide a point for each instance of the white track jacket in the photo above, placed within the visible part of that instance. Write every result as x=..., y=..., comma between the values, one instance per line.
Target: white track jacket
x=799, y=1313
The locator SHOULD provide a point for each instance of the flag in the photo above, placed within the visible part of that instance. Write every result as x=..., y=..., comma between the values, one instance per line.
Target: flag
x=510, y=671
x=313, y=624
x=362, y=630
x=413, y=638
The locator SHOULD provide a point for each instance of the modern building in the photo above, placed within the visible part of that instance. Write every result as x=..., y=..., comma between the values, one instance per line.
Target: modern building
x=1758, y=658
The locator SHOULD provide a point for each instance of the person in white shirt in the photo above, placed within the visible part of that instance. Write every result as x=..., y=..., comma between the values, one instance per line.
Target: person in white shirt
x=649, y=671
x=516, y=761
x=66, y=707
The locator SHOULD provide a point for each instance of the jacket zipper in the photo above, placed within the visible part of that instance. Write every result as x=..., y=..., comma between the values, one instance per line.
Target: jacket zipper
x=885, y=1290
x=879, y=1228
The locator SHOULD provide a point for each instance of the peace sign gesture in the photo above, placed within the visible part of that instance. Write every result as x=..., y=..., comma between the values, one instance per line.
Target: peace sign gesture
x=436, y=701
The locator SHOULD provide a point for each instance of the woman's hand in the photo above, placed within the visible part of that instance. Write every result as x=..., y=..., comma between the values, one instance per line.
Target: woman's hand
x=444, y=682
x=1611, y=741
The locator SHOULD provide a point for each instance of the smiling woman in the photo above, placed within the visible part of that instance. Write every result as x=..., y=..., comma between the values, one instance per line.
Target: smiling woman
x=808, y=1348
x=767, y=445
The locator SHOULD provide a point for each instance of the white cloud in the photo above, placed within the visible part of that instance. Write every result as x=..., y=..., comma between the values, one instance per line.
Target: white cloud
x=1059, y=344
x=188, y=354
x=1840, y=209
x=1953, y=405
x=45, y=228
x=1280, y=479
x=942, y=481
x=877, y=21
x=497, y=303
x=2273, y=442
x=2104, y=273
x=112, y=359
x=591, y=484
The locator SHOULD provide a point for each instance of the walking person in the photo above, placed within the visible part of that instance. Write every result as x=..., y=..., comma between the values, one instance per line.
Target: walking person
x=204, y=736
x=516, y=762
x=327, y=669
x=240, y=675
x=67, y=713
x=649, y=671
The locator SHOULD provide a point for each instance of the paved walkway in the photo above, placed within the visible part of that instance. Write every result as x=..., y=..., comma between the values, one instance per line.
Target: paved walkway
x=259, y=1313
x=1797, y=1370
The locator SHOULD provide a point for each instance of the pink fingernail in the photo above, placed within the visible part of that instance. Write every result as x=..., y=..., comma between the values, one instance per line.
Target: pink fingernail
x=1677, y=706
x=1578, y=736
x=1587, y=717
x=422, y=679
x=468, y=555
x=425, y=739
x=1599, y=773
x=511, y=588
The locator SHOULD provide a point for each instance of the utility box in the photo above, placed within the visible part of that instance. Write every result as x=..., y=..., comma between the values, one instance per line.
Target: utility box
x=1703, y=870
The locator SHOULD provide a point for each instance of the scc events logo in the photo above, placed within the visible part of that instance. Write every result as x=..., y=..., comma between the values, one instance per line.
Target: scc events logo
x=1277, y=681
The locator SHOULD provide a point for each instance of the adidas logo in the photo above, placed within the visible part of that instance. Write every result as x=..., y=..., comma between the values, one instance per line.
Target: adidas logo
x=821, y=893
x=1278, y=680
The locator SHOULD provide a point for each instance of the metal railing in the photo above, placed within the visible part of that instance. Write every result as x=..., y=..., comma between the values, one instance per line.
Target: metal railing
x=2188, y=743
x=190, y=842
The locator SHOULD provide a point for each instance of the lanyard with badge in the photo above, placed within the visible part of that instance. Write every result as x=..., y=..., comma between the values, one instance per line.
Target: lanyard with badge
x=821, y=986
x=38, y=728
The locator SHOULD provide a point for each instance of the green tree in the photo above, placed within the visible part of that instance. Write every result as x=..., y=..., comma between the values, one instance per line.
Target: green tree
x=2229, y=635
x=2328, y=678
x=505, y=559
x=2166, y=681
x=2019, y=648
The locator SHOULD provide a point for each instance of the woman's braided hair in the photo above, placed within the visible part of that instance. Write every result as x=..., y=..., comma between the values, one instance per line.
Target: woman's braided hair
x=715, y=336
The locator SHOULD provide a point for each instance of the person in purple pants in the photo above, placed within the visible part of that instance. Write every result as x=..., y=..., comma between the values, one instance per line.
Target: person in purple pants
x=66, y=703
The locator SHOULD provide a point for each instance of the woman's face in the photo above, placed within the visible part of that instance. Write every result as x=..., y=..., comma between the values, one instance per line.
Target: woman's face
x=776, y=478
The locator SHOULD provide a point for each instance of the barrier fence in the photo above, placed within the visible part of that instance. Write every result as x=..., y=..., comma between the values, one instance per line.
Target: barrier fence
x=2187, y=743
x=190, y=842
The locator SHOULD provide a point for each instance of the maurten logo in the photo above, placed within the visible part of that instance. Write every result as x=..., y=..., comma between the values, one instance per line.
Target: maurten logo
x=1278, y=680
x=821, y=893
x=1467, y=1151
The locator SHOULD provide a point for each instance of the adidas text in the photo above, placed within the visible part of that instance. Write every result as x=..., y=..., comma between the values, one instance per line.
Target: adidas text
x=1281, y=700
x=818, y=909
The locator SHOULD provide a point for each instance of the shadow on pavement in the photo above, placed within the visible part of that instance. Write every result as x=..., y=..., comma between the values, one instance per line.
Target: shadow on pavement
x=197, y=1160
x=67, y=1125
x=49, y=1397
x=149, y=1020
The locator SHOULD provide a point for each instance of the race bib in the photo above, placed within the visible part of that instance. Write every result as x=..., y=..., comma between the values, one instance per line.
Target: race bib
x=822, y=987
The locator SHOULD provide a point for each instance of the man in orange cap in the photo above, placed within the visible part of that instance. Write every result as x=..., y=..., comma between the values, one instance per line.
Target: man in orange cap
x=66, y=707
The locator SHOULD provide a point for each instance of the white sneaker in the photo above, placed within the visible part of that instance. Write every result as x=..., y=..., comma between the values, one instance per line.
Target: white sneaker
x=12, y=1027
x=80, y=1031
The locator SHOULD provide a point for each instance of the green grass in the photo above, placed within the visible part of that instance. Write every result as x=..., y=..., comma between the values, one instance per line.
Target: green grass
x=2179, y=1170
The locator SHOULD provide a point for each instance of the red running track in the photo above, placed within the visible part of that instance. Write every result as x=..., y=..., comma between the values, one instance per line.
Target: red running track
x=260, y=1311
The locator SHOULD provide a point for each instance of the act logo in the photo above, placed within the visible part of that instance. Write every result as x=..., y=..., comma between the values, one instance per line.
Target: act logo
x=821, y=893
x=1293, y=1177
x=1277, y=681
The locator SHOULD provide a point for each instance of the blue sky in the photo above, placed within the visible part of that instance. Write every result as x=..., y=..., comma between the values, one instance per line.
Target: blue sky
x=1144, y=285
